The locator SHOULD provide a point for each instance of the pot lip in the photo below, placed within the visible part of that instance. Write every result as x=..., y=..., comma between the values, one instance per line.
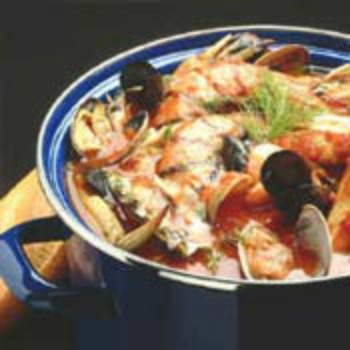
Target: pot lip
x=217, y=283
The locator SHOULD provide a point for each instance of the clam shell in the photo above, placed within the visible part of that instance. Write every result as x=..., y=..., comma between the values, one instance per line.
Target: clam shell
x=339, y=73
x=313, y=234
x=242, y=252
x=288, y=59
x=141, y=234
x=89, y=127
x=238, y=184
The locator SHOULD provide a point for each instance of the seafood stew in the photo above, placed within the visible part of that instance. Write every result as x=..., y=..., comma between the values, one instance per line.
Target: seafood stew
x=235, y=165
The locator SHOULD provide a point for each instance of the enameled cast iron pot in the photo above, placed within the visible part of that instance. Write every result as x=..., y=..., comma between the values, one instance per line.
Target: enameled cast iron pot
x=124, y=302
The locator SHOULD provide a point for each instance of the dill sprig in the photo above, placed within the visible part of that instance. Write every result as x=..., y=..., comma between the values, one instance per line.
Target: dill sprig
x=272, y=112
x=213, y=260
x=217, y=104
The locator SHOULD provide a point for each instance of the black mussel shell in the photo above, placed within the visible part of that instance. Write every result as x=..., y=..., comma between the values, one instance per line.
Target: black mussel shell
x=136, y=121
x=287, y=177
x=234, y=154
x=97, y=180
x=284, y=170
x=142, y=85
x=292, y=200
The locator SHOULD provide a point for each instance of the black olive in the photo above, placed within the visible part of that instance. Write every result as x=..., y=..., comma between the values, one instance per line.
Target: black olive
x=234, y=154
x=136, y=121
x=142, y=84
x=284, y=170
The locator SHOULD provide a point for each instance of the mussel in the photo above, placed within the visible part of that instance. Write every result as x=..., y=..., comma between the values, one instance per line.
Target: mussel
x=113, y=216
x=137, y=121
x=287, y=178
x=234, y=154
x=290, y=59
x=312, y=235
x=98, y=180
x=142, y=85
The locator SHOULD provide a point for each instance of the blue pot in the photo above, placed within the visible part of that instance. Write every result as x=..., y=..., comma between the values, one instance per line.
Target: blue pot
x=120, y=300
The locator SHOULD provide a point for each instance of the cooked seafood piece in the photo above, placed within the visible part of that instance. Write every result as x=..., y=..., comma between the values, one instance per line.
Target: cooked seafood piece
x=292, y=59
x=140, y=235
x=312, y=235
x=91, y=131
x=243, y=141
x=339, y=216
x=262, y=255
x=233, y=183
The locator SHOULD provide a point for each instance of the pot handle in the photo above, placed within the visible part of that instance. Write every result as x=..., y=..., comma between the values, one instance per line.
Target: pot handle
x=33, y=289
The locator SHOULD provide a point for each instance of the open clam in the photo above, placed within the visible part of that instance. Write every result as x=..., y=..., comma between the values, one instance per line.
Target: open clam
x=290, y=59
x=334, y=88
x=143, y=233
x=108, y=212
x=238, y=184
x=93, y=132
x=262, y=255
x=312, y=235
x=341, y=73
x=90, y=127
x=242, y=45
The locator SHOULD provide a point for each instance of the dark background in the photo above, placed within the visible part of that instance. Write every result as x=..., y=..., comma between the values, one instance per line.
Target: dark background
x=44, y=46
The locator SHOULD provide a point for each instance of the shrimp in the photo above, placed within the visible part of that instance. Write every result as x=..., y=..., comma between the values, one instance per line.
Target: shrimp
x=326, y=141
x=223, y=71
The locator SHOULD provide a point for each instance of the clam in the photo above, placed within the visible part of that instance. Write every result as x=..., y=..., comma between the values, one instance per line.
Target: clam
x=261, y=253
x=341, y=73
x=107, y=210
x=90, y=128
x=312, y=235
x=238, y=184
x=334, y=88
x=288, y=59
x=100, y=205
x=242, y=45
x=143, y=233
x=142, y=85
x=100, y=182
x=139, y=124
x=92, y=134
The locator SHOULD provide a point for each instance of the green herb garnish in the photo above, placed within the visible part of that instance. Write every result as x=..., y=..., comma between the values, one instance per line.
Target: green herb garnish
x=213, y=260
x=167, y=133
x=271, y=111
x=217, y=104
x=201, y=212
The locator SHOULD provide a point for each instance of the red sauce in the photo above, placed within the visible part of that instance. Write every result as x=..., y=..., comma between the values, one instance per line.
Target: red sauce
x=307, y=259
x=233, y=214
